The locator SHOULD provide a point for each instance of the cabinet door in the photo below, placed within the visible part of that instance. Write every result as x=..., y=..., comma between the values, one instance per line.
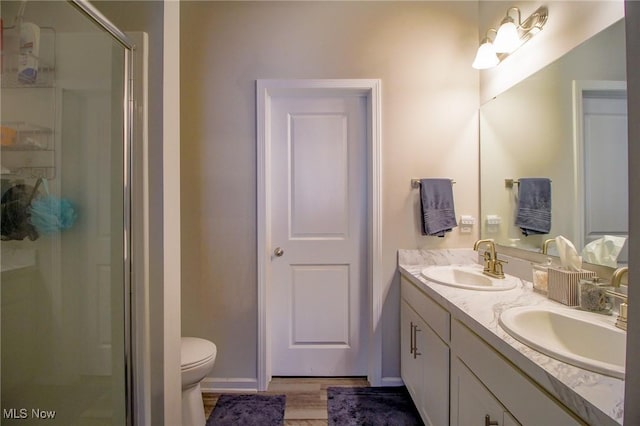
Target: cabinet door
x=435, y=375
x=471, y=401
x=410, y=364
x=514, y=390
x=425, y=369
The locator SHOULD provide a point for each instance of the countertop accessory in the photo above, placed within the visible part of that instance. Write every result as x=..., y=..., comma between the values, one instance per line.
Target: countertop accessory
x=593, y=296
x=563, y=285
x=541, y=277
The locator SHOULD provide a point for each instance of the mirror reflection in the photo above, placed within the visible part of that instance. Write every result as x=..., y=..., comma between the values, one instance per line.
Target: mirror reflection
x=566, y=123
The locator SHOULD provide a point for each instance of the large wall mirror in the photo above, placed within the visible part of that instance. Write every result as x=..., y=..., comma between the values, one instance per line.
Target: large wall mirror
x=567, y=123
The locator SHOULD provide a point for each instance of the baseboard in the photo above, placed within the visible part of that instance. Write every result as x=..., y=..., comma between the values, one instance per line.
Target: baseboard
x=392, y=381
x=219, y=385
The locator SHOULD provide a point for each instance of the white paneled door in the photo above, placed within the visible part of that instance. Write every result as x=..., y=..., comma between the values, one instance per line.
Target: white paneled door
x=318, y=222
x=605, y=166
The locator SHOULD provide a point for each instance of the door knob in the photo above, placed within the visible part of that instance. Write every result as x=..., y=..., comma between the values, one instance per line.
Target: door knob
x=278, y=252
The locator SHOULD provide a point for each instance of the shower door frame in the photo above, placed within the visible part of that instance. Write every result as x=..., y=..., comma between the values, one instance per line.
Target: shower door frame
x=132, y=386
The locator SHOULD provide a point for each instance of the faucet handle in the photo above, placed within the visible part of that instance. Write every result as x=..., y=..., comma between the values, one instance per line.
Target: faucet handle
x=497, y=268
x=621, y=321
x=488, y=260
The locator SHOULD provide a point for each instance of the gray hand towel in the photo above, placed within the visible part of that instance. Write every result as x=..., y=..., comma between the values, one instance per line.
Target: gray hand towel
x=436, y=202
x=534, y=206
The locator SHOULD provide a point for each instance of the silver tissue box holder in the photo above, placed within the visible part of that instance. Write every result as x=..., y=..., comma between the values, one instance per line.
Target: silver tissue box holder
x=563, y=285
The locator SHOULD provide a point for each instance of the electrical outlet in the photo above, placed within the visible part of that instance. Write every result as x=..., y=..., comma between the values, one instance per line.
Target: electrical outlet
x=493, y=219
x=466, y=219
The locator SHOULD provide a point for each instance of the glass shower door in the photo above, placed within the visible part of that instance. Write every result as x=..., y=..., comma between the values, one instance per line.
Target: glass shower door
x=64, y=280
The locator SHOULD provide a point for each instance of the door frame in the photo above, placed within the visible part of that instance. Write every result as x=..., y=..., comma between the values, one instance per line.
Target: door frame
x=579, y=88
x=371, y=90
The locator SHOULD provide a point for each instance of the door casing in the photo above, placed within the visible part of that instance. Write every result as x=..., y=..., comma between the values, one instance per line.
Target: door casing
x=371, y=90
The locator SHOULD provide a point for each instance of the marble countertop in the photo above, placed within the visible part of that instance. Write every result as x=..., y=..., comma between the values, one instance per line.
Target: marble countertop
x=596, y=398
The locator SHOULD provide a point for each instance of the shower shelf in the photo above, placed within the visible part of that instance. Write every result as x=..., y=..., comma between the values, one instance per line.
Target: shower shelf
x=27, y=150
x=44, y=79
x=24, y=136
x=45, y=60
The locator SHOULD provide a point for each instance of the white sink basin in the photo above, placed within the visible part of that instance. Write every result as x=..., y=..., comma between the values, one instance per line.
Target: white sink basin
x=469, y=277
x=583, y=339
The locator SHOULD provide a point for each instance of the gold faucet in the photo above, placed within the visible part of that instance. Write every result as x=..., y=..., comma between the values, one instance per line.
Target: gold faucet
x=492, y=266
x=545, y=245
x=616, y=278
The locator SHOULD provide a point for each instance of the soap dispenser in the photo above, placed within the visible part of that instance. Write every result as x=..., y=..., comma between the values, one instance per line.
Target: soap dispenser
x=541, y=277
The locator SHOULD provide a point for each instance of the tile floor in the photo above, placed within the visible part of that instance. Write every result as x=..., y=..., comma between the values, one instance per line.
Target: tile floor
x=306, y=397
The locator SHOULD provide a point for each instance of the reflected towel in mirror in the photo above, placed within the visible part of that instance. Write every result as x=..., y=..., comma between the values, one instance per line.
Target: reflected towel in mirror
x=534, y=206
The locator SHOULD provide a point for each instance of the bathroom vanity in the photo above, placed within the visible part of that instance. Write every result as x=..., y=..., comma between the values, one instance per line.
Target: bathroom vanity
x=462, y=368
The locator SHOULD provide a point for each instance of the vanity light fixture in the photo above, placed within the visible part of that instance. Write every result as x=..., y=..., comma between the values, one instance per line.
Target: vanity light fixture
x=510, y=35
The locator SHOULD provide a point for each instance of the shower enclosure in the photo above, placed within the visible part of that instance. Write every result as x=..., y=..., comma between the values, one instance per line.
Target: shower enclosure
x=65, y=280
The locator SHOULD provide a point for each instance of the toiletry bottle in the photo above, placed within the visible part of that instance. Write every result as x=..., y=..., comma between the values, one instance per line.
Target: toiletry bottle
x=29, y=51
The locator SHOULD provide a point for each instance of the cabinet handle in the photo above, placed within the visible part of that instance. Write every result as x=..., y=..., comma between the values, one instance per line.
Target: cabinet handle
x=411, y=338
x=489, y=422
x=415, y=344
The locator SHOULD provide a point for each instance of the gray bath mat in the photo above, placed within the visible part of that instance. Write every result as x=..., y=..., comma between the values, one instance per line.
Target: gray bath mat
x=390, y=406
x=248, y=410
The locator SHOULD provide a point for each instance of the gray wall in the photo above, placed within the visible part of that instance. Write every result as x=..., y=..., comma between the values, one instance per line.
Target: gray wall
x=422, y=51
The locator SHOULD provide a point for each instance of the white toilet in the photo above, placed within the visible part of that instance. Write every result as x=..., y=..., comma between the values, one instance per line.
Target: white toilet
x=197, y=358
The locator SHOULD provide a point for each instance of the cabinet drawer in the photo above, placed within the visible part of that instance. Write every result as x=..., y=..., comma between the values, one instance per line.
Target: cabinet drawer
x=519, y=394
x=433, y=314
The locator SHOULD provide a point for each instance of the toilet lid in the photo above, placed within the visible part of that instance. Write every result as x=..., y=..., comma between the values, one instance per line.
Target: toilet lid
x=196, y=351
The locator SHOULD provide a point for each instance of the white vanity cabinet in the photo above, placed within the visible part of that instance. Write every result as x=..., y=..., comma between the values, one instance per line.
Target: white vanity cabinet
x=471, y=401
x=510, y=396
x=425, y=354
x=456, y=378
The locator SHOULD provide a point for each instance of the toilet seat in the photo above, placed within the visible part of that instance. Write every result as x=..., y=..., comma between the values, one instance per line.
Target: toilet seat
x=197, y=357
x=196, y=352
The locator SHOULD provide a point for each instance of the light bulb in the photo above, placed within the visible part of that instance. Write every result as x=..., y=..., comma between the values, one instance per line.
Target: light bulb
x=507, y=40
x=486, y=56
